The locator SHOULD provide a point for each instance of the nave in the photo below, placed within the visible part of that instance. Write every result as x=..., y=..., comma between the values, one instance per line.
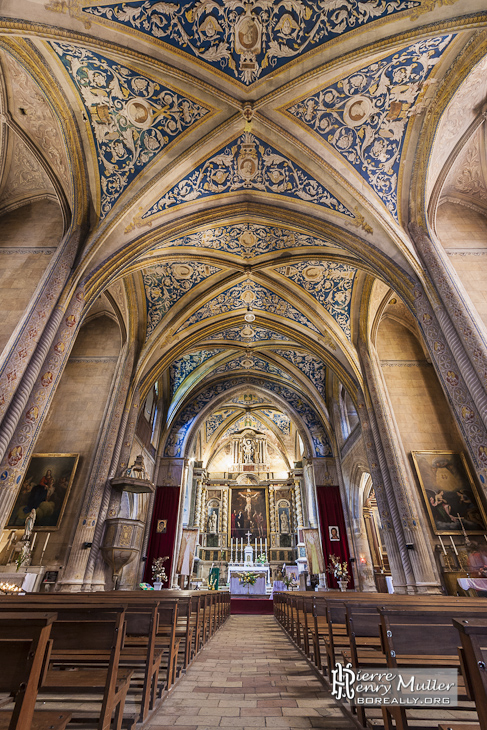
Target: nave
x=250, y=676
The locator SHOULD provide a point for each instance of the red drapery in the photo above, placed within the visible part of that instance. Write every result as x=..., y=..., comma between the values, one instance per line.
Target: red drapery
x=331, y=515
x=161, y=544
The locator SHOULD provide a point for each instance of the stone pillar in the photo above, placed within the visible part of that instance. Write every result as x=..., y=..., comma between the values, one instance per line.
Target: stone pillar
x=34, y=336
x=80, y=565
x=224, y=517
x=397, y=552
x=460, y=324
x=44, y=378
x=310, y=488
x=401, y=493
x=450, y=374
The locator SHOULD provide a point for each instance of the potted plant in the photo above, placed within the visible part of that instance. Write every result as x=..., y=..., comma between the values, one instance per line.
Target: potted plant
x=340, y=571
x=158, y=572
x=289, y=582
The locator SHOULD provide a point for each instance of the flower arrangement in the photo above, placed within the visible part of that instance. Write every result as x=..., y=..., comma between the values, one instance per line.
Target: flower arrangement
x=262, y=559
x=213, y=582
x=158, y=570
x=337, y=569
x=247, y=579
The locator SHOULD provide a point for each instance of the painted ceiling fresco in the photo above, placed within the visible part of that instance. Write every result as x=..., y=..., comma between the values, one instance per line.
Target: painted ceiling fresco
x=244, y=295
x=329, y=283
x=310, y=365
x=165, y=284
x=182, y=368
x=249, y=361
x=247, y=41
x=247, y=164
x=247, y=240
x=364, y=115
x=247, y=333
x=132, y=117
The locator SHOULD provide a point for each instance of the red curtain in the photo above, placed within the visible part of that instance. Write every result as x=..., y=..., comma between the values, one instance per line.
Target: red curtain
x=161, y=544
x=331, y=515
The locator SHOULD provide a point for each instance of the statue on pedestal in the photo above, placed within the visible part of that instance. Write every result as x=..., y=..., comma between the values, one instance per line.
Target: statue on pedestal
x=29, y=525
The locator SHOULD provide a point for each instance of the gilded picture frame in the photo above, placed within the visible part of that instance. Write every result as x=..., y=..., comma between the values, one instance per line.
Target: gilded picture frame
x=45, y=488
x=450, y=494
x=239, y=503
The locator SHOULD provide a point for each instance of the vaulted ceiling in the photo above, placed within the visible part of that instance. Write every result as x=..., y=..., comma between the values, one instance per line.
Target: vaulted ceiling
x=245, y=171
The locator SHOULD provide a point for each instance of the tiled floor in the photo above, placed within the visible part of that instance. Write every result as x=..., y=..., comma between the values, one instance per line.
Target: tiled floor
x=249, y=676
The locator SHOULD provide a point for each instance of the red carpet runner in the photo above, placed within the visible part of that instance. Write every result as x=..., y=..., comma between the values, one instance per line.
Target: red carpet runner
x=251, y=605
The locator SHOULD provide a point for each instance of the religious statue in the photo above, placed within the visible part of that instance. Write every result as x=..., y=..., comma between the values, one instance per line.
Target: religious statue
x=29, y=525
x=284, y=522
x=213, y=523
x=248, y=450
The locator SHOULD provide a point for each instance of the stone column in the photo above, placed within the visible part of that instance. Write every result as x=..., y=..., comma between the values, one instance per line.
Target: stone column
x=450, y=374
x=402, y=494
x=44, y=378
x=460, y=324
x=310, y=488
x=21, y=365
x=397, y=552
x=80, y=564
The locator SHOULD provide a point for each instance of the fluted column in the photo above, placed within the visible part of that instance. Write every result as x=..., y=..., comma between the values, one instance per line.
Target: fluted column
x=21, y=364
x=450, y=374
x=460, y=324
x=45, y=377
x=403, y=493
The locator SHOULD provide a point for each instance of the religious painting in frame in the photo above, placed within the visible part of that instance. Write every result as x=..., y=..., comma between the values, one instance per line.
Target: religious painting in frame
x=249, y=512
x=187, y=550
x=449, y=492
x=314, y=552
x=45, y=488
x=334, y=533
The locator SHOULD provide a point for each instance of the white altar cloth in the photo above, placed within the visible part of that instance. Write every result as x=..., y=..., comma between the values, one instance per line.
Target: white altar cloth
x=238, y=589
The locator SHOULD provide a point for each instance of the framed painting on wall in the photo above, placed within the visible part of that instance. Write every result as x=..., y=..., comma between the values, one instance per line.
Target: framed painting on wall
x=249, y=512
x=449, y=492
x=45, y=488
x=187, y=550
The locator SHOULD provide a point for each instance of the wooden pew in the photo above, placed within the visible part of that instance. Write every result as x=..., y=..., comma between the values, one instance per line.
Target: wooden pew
x=425, y=637
x=87, y=636
x=24, y=654
x=473, y=659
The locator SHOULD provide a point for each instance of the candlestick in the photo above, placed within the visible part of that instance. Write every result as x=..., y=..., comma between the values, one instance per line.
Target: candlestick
x=241, y=549
x=261, y=546
x=265, y=549
x=453, y=546
x=255, y=547
x=442, y=545
x=33, y=542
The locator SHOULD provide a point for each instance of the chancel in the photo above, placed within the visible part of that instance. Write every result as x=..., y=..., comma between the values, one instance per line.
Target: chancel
x=243, y=269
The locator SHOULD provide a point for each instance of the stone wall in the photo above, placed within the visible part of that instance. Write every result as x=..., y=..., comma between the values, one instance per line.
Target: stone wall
x=29, y=237
x=76, y=414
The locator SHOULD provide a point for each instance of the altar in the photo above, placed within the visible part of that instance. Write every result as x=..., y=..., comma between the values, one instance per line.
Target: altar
x=259, y=587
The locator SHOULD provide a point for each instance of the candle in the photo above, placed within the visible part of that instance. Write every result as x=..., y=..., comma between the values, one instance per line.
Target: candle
x=255, y=547
x=33, y=542
x=453, y=546
x=265, y=549
x=442, y=545
x=241, y=549
x=261, y=545
x=47, y=540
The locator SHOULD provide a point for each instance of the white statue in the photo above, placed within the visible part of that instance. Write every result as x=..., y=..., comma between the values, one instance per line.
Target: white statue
x=284, y=522
x=248, y=450
x=29, y=525
x=213, y=523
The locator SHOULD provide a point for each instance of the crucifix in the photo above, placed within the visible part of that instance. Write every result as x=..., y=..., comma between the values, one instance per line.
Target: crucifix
x=248, y=535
